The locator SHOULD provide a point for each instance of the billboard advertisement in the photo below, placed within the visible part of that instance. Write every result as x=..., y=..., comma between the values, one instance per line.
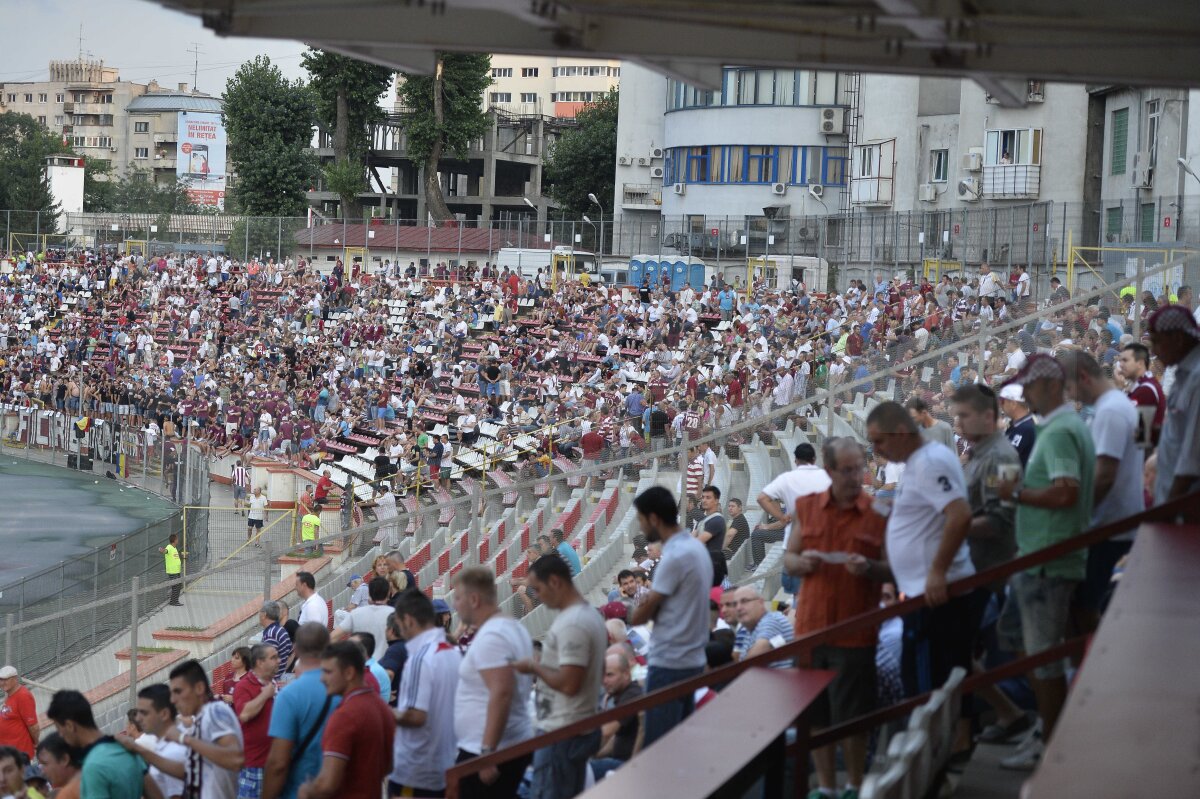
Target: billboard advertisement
x=200, y=157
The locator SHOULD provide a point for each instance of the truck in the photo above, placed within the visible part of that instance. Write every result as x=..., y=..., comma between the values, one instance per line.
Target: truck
x=567, y=262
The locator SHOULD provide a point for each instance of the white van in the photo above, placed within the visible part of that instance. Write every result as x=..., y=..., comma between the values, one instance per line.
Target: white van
x=527, y=261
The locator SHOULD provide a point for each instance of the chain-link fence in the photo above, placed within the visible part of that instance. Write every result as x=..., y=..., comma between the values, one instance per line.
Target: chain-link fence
x=824, y=251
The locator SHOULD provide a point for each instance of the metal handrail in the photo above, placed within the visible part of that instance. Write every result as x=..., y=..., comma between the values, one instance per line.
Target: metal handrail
x=1184, y=506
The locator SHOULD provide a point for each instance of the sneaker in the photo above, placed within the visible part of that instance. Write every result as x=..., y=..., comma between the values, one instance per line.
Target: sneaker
x=1027, y=756
x=1007, y=733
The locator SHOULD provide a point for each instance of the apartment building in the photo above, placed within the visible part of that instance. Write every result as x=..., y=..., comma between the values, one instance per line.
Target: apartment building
x=83, y=101
x=549, y=86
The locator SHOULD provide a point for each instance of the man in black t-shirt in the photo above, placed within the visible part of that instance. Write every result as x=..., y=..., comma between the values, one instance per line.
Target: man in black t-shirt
x=617, y=737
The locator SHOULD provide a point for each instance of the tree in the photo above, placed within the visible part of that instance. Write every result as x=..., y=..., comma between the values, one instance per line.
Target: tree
x=443, y=114
x=99, y=189
x=24, y=146
x=347, y=93
x=583, y=160
x=269, y=121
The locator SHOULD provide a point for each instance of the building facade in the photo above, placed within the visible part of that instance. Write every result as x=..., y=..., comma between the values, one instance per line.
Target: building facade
x=153, y=129
x=549, y=86
x=85, y=102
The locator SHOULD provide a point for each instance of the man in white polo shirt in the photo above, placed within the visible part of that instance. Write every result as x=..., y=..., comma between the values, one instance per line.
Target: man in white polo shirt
x=778, y=498
x=926, y=546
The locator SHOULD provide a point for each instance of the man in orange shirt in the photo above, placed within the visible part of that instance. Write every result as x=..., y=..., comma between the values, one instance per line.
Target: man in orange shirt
x=18, y=714
x=837, y=546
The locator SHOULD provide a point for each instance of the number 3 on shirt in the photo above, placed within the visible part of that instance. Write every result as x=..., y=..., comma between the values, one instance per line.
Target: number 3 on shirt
x=944, y=482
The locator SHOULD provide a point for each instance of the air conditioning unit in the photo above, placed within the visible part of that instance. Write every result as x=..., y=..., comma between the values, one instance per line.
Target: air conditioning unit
x=833, y=121
x=970, y=189
x=1036, y=91
x=679, y=188
x=643, y=161
x=816, y=190
x=623, y=160
x=656, y=152
x=972, y=162
x=1143, y=173
x=654, y=231
x=656, y=172
x=805, y=233
x=927, y=193
x=884, y=252
x=779, y=188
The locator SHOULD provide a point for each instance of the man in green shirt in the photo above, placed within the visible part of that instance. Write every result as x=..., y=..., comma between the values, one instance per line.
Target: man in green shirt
x=1054, y=503
x=173, y=564
x=310, y=526
x=109, y=771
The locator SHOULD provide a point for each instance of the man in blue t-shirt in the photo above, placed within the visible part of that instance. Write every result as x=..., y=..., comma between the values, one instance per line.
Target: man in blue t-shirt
x=298, y=719
x=566, y=551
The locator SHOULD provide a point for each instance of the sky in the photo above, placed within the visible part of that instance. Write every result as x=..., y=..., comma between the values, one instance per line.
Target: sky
x=141, y=38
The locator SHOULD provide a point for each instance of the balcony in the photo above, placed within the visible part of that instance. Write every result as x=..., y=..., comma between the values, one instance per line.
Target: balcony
x=166, y=138
x=1012, y=181
x=870, y=192
x=641, y=196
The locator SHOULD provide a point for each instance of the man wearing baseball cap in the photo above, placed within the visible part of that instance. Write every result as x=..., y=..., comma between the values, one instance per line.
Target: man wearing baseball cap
x=18, y=713
x=1054, y=503
x=1175, y=339
x=1021, y=431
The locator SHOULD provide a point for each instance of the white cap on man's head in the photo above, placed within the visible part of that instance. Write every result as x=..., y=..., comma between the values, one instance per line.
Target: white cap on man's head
x=8, y=672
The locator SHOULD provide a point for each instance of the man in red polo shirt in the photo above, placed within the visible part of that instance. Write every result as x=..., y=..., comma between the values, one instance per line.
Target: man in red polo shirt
x=358, y=739
x=323, y=486
x=18, y=714
x=253, y=699
x=837, y=546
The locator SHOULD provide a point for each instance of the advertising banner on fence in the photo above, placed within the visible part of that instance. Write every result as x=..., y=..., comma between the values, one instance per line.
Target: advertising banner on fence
x=200, y=159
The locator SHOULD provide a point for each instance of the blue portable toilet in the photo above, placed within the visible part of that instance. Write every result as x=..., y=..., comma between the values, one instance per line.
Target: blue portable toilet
x=679, y=274
x=637, y=269
x=695, y=271
x=652, y=272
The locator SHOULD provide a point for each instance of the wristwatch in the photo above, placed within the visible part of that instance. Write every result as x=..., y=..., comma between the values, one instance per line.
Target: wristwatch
x=486, y=750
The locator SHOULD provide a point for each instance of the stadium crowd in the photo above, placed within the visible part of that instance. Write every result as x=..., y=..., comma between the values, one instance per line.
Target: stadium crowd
x=997, y=449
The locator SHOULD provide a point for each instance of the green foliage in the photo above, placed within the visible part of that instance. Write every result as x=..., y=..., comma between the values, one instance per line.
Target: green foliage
x=99, y=188
x=465, y=77
x=138, y=193
x=584, y=159
x=268, y=121
x=345, y=178
x=254, y=238
x=361, y=84
x=24, y=145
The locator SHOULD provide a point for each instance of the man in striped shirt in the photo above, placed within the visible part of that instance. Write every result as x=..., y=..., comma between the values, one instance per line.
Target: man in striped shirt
x=759, y=630
x=271, y=617
x=240, y=479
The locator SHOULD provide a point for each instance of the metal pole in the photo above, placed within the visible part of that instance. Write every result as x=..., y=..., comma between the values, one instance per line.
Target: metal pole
x=1137, y=300
x=9, y=621
x=683, y=467
x=267, y=576
x=279, y=238
x=133, y=641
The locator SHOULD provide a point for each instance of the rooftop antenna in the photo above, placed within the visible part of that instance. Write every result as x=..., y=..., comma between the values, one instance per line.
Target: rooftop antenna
x=195, y=51
x=81, y=41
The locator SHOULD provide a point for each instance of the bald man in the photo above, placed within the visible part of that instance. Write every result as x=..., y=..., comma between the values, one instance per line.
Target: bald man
x=759, y=629
x=617, y=738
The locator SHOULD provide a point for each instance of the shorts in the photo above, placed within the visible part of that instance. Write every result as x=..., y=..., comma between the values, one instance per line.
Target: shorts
x=434, y=469
x=852, y=692
x=1035, y=617
x=250, y=782
x=255, y=523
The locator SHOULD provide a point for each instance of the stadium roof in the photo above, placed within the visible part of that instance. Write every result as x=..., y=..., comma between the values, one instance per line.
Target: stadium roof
x=999, y=43
x=175, y=101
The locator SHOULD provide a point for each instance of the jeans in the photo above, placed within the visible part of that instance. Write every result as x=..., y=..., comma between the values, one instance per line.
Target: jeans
x=602, y=765
x=560, y=770
x=660, y=720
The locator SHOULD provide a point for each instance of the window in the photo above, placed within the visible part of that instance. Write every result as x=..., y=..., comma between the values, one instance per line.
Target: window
x=58, y=120
x=79, y=96
x=106, y=98
x=501, y=72
x=868, y=161
x=104, y=119
x=12, y=98
x=1120, y=141
x=701, y=166
x=141, y=127
x=42, y=120
x=755, y=165
x=529, y=97
x=760, y=164
x=1020, y=146
x=141, y=152
x=939, y=165
x=1112, y=223
x=80, y=119
x=29, y=97
x=1148, y=219
x=529, y=72
x=43, y=97
x=1153, y=109
x=60, y=98
x=501, y=97
x=833, y=166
